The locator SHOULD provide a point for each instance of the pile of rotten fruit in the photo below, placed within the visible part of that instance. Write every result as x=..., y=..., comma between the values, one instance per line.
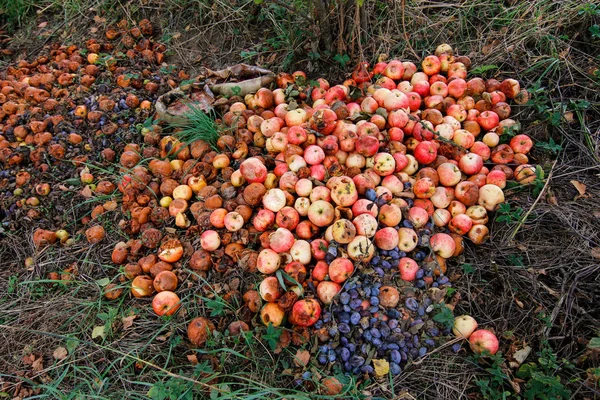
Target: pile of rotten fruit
x=346, y=202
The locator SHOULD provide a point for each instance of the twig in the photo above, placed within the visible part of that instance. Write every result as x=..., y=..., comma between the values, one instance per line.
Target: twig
x=447, y=344
x=522, y=220
x=406, y=34
x=437, y=135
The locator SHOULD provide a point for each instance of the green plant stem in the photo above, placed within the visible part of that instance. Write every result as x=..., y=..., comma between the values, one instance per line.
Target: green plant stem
x=524, y=218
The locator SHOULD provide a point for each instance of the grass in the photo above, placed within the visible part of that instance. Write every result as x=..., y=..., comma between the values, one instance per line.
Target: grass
x=198, y=126
x=537, y=285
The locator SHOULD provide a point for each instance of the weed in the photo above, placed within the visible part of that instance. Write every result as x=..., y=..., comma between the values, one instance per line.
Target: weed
x=508, y=215
x=13, y=283
x=550, y=146
x=516, y=260
x=444, y=316
x=198, y=126
x=467, y=268
x=541, y=379
x=342, y=60
x=496, y=384
x=272, y=336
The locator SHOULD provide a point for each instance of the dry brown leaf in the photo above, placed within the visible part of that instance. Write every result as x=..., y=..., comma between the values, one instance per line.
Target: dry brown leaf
x=176, y=35
x=128, y=321
x=519, y=303
x=581, y=188
x=302, y=357
x=93, y=29
x=86, y=192
x=163, y=338
x=60, y=353
x=38, y=364
x=596, y=253
x=99, y=20
x=42, y=25
x=551, y=198
x=487, y=49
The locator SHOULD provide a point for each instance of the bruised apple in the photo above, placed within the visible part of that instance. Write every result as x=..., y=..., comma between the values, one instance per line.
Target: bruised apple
x=305, y=312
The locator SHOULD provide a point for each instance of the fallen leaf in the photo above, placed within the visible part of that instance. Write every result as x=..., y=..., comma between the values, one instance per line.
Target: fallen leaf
x=581, y=188
x=301, y=358
x=60, y=353
x=596, y=253
x=93, y=29
x=521, y=355
x=176, y=35
x=28, y=359
x=38, y=364
x=128, y=321
x=86, y=192
x=99, y=20
x=382, y=367
x=594, y=343
x=103, y=282
x=43, y=25
x=487, y=49
x=521, y=247
x=519, y=303
x=98, y=331
x=551, y=198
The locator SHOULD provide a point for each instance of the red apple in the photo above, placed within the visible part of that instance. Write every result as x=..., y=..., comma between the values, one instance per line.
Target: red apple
x=483, y=341
x=425, y=152
x=165, y=303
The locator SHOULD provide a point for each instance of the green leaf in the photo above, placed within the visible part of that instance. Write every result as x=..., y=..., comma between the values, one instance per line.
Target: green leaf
x=103, y=282
x=342, y=59
x=102, y=316
x=483, y=69
x=550, y=146
x=468, y=268
x=71, y=345
x=444, y=316
x=504, y=208
x=216, y=307
x=272, y=336
x=594, y=343
x=279, y=276
x=539, y=172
